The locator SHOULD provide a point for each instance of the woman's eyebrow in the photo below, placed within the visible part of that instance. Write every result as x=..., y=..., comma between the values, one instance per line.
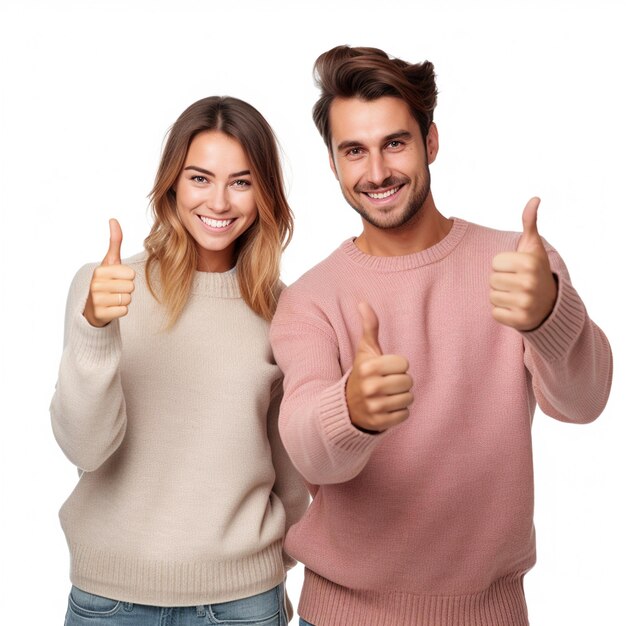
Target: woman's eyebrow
x=210, y=173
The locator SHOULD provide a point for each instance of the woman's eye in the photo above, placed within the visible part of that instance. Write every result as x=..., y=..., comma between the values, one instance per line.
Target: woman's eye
x=240, y=182
x=199, y=179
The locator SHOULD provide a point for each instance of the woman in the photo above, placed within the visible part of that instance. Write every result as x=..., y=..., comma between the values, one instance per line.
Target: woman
x=167, y=398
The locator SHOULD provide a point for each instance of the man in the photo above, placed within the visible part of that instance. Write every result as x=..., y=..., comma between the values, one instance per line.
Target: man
x=414, y=356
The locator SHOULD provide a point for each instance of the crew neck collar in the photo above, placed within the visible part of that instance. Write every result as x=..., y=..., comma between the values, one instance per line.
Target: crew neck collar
x=408, y=261
x=216, y=284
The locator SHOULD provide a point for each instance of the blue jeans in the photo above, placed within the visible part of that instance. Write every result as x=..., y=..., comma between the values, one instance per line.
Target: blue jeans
x=303, y=622
x=263, y=609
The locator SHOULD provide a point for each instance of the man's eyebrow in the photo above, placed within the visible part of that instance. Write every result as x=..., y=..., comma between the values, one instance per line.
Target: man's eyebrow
x=210, y=173
x=348, y=144
x=351, y=143
x=401, y=134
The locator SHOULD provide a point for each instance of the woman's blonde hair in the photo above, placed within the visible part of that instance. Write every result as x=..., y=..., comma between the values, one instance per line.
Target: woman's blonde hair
x=258, y=251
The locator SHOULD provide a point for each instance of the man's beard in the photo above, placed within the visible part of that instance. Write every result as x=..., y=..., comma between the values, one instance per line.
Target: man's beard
x=412, y=208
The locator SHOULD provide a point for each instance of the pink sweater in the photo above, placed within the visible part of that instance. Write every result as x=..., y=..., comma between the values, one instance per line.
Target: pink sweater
x=431, y=522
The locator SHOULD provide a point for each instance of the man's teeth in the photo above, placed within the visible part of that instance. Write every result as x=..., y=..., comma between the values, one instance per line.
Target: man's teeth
x=385, y=194
x=215, y=223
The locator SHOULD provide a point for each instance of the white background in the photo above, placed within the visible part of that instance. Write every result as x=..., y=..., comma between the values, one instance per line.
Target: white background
x=531, y=102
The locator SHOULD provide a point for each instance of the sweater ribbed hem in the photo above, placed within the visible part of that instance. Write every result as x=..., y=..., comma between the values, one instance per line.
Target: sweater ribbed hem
x=324, y=603
x=174, y=583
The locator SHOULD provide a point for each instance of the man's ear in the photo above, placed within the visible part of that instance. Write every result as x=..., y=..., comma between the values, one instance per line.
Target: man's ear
x=331, y=162
x=432, y=143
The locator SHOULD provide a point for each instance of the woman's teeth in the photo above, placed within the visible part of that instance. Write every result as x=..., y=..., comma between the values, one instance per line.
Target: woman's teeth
x=216, y=223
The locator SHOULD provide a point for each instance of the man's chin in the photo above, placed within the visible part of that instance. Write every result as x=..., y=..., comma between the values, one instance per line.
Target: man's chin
x=389, y=220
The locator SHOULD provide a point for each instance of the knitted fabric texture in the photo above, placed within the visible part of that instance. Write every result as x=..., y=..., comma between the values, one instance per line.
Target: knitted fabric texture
x=431, y=522
x=186, y=489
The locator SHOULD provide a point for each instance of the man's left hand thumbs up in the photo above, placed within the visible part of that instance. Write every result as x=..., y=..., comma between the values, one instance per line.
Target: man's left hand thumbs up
x=523, y=288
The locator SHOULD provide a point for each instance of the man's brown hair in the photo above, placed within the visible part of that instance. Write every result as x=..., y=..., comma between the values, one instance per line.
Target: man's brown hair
x=369, y=74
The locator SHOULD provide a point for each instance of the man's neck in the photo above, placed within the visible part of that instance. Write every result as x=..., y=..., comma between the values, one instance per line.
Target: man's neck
x=427, y=228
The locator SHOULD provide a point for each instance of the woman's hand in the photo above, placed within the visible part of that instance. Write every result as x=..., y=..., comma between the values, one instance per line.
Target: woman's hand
x=111, y=284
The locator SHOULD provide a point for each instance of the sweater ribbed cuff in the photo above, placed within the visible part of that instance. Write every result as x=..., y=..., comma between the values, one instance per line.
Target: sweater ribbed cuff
x=93, y=346
x=555, y=337
x=325, y=603
x=336, y=423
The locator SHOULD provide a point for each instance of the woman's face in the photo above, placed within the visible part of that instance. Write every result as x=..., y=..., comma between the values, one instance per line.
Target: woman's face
x=215, y=198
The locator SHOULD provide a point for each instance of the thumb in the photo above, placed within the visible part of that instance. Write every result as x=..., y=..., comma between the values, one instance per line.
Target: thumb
x=369, y=338
x=530, y=240
x=114, y=253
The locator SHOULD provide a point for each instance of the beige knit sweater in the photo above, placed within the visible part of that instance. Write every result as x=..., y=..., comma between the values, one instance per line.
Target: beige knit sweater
x=186, y=490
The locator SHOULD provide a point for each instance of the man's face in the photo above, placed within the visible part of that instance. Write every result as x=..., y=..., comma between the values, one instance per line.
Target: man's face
x=379, y=159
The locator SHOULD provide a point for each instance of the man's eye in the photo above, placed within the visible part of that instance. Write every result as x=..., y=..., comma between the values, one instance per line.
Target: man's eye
x=394, y=144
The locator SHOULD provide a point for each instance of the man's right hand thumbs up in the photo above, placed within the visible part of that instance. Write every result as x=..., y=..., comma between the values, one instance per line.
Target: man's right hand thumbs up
x=111, y=284
x=378, y=388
